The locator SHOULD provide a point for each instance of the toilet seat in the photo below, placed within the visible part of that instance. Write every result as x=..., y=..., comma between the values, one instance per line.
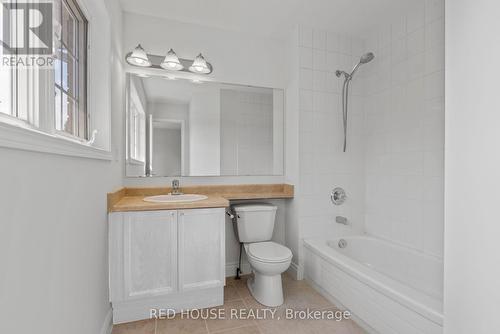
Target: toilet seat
x=268, y=252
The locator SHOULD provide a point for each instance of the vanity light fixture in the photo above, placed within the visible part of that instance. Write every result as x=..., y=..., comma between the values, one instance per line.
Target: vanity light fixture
x=171, y=62
x=139, y=57
x=200, y=65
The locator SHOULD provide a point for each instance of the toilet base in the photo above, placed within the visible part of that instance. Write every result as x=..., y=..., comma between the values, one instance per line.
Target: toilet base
x=267, y=290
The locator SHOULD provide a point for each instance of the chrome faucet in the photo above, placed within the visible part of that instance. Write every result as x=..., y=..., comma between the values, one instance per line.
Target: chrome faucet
x=176, y=190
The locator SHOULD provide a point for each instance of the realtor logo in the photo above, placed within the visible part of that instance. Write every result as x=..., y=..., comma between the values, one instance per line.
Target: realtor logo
x=27, y=28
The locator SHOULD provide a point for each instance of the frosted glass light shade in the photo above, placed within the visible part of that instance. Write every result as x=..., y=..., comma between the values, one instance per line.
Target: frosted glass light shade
x=199, y=65
x=171, y=62
x=139, y=57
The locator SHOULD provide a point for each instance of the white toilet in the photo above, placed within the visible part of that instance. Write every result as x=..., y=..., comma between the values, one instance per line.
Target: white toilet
x=254, y=228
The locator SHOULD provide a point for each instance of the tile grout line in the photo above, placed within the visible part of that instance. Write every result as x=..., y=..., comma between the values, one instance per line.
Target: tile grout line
x=231, y=329
x=206, y=325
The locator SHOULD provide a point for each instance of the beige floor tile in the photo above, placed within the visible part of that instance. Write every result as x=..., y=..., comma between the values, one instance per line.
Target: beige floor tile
x=255, y=306
x=241, y=286
x=241, y=330
x=180, y=325
x=234, y=281
x=305, y=297
x=290, y=283
x=355, y=328
x=136, y=327
x=229, y=322
x=231, y=293
x=298, y=296
x=281, y=327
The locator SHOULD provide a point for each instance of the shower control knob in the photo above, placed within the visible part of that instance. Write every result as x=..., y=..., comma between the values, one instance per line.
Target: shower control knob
x=338, y=196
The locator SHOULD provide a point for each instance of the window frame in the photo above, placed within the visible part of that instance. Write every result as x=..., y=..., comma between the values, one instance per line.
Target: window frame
x=79, y=97
x=137, y=128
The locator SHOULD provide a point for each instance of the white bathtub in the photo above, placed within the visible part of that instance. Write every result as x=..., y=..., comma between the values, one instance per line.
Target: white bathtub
x=392, y=289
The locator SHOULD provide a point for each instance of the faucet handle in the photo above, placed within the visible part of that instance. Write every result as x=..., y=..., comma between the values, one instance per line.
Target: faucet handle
x=342, y=220
x=175, y=183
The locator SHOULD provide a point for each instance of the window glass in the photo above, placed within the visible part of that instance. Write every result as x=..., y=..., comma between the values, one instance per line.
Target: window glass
x=70, y=72
x=6, y=90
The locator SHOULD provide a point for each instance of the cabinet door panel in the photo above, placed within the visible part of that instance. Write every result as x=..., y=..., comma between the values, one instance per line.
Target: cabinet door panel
x=201, y=248
x=150, y=253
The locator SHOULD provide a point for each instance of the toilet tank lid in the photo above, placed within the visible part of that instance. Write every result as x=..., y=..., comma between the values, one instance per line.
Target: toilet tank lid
x=254, y=207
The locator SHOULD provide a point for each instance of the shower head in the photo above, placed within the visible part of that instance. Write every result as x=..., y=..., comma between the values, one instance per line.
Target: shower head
x=366, y=58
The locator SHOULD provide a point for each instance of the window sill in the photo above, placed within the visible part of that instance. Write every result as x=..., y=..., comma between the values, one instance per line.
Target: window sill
x=28, y=139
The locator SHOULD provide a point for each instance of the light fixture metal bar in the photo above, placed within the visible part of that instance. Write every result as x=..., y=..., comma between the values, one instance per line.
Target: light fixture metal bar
x=156, y=61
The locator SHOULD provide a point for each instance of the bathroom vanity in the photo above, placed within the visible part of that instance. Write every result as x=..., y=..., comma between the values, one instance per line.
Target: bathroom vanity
x=171, y=256
x=166, y=259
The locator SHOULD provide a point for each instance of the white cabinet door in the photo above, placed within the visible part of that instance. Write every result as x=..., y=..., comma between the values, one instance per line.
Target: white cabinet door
x=149, y=253
x=201, y=248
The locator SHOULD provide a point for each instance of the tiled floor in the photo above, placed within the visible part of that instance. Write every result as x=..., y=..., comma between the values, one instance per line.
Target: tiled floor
x=298, y=296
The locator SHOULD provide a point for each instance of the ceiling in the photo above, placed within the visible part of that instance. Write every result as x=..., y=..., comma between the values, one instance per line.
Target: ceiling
x=273, y=18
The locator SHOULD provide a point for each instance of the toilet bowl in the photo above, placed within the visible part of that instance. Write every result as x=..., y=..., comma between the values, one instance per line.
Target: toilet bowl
x=254, y=227
x=268, y=261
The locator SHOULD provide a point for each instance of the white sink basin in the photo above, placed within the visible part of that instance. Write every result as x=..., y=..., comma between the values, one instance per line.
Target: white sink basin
x=175, y=198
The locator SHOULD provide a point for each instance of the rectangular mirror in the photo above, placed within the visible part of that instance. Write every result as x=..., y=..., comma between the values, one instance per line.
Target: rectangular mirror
x=185, y=128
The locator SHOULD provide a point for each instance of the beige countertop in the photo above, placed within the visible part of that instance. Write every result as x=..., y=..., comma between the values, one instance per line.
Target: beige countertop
x=132, y=199
x=137, y=203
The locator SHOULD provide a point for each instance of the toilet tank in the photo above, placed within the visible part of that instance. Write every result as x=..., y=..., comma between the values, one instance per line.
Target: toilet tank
x=254, y=222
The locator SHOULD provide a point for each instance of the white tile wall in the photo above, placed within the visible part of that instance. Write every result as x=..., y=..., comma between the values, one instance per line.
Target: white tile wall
x=323, y=166
x=404, y=128
x=247, y=133
x=393, y=168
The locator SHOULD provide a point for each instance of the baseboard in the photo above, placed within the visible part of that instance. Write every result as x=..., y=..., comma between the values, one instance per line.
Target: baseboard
x=107, y=326
x=231, y=269
x=293, y=271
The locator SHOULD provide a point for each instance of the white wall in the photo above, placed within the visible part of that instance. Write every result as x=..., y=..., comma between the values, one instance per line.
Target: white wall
x=472, y=181
x=166, y=151
x=292, y=231
x=404, y=129
x=204, y=132
x=237, y=57
x=53, y=230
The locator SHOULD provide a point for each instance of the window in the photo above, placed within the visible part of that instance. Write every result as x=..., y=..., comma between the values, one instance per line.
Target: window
x=137, y=124
x=19, y=85
x=70, y=72
x=64, y=108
